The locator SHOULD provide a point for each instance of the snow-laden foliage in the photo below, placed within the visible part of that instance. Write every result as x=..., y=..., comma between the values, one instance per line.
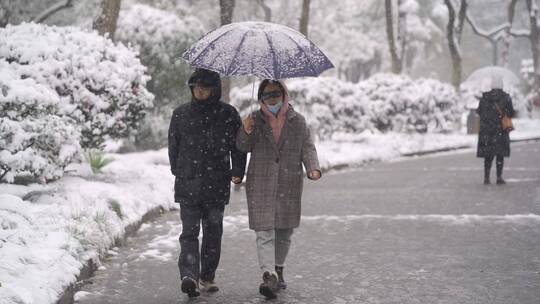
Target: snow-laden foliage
x=382, y=103
x=530, y=101
x=36, y=141
x=62, y=88
x=160, y=37
x=100, y=84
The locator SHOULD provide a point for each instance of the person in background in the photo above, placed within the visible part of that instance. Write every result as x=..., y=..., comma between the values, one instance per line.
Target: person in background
x=493, y=140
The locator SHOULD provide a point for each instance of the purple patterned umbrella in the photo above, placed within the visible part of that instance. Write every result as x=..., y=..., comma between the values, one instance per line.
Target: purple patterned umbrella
x=262, y=49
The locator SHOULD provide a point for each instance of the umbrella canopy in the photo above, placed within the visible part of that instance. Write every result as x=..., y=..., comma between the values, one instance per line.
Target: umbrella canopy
x=492, y=77
x=262, y=49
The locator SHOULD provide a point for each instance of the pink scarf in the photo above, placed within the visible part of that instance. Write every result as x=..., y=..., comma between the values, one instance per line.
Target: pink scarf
x=277, y=122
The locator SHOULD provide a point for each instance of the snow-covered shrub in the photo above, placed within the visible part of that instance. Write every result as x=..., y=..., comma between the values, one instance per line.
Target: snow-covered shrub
x=382, y=103
x=160, y=37
x=36, y=141
x=399, y=103
x=532, y=97
x=100, y=84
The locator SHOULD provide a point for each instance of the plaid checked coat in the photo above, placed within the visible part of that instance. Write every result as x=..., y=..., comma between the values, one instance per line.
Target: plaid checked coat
x=275, y=175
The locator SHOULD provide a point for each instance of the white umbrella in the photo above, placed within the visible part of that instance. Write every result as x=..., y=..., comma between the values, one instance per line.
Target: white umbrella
x=491, y=77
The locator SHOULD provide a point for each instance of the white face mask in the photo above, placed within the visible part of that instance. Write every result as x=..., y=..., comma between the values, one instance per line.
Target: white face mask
x=275, y=108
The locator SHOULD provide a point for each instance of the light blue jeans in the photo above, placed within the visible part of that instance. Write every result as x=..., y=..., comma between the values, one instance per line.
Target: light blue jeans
x=273, y=247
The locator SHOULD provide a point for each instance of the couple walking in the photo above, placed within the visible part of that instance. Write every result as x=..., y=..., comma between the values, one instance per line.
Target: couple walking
x=205, y=137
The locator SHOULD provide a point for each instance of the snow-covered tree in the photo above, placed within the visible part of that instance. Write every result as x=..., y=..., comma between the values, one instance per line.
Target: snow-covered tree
x=100, y=84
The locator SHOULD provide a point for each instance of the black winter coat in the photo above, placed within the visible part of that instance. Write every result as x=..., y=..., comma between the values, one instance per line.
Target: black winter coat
x=202, y=139
x=492, y=139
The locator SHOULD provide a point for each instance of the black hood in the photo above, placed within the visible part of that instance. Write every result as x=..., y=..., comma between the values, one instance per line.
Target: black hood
x=206, y=78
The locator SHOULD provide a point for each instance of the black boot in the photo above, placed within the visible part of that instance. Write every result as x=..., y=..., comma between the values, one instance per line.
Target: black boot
x=500, y=164
x=281, y=279
x=487, y=168
x=269, y=287
x=190, y=287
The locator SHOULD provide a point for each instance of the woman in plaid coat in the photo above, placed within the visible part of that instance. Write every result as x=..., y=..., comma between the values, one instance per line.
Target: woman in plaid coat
x=279, y=141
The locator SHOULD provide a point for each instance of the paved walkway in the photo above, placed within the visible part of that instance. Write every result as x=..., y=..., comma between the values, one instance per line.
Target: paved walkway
x=422, y=230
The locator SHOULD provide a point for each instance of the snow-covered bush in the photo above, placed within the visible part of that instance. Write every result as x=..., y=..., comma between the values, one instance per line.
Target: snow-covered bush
x=382, y=103
x=100, y=84
x=531, y=99
x=36, y=141
x=399, y=103
x=160, y=37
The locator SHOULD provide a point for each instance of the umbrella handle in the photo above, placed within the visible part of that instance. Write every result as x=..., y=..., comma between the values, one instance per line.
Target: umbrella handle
x=252, y=98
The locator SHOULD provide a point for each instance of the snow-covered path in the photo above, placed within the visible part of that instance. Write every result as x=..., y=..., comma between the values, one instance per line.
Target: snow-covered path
x=418, y=231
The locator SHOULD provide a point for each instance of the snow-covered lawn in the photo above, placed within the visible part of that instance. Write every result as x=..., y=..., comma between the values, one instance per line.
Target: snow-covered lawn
x=46, y=238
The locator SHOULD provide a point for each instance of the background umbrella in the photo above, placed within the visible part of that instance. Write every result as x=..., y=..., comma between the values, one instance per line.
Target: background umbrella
x=262, y=49
x=483, y=78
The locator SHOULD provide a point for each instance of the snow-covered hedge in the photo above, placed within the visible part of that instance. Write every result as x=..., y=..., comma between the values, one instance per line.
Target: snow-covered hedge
x=382, y=103
x=62, y=88
x=530, y=101
x=160, y=37
x=100, y=84
x=35, y=141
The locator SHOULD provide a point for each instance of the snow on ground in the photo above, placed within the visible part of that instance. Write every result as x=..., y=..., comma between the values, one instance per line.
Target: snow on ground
x=46, y=238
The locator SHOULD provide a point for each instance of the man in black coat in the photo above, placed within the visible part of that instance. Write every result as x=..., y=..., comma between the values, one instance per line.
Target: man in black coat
x=202, y=137
x=493, y=141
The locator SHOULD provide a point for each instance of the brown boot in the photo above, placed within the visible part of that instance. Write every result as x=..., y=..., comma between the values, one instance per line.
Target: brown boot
x=269, y=287
x=209, y=286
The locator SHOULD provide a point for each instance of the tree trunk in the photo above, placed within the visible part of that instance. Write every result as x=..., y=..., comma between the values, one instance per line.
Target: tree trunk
x=304, y=19
x=105, y=23
x=392, y=45
x=507, y=37
x=452, y=35
x=535, y=47
x=227, y=10
x=5, y=12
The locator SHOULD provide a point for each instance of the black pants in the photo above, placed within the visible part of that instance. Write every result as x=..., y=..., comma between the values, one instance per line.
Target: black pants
x=487, y=165
x=201, y=265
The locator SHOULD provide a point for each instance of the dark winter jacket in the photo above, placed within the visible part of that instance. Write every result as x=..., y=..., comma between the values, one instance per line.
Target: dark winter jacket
x=202, y=137
x=492, y=139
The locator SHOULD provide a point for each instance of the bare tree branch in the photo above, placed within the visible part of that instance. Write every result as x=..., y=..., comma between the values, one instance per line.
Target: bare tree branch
x=523, y=33
x=52, y=10
x=483, y=33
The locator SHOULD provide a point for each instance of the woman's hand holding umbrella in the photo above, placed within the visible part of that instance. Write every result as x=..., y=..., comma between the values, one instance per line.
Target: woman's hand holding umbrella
x=314, y=175
x=249, y=124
